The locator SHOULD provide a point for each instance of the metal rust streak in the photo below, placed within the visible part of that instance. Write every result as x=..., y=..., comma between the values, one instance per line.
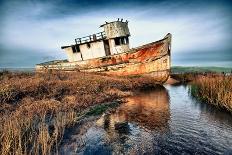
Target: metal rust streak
x=152, y=60
x=141, y=54
x=135, y=68
x=149, y=52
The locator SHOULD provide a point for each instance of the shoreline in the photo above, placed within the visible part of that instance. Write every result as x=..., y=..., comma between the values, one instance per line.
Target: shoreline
x=49, y=103
x=212, y=88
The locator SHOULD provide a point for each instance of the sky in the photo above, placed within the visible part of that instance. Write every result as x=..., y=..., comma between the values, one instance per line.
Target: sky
x=32, y=31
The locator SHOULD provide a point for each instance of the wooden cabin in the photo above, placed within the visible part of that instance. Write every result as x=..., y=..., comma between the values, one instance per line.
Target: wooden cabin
x=113, y=40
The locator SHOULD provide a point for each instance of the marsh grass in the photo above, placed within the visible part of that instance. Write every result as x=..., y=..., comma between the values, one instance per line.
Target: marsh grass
x=35, y=109
x=214, y=89
x=185, y=77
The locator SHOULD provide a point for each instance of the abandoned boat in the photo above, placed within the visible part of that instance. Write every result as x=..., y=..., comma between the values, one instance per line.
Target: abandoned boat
x=108, y=52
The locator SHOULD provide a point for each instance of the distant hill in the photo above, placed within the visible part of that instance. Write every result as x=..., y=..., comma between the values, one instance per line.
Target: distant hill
x=181, y=69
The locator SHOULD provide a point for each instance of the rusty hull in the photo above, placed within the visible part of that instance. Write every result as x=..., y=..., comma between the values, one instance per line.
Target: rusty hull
x=152, y=60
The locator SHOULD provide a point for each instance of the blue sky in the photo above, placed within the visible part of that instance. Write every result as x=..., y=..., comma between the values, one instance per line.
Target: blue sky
x=32, y=31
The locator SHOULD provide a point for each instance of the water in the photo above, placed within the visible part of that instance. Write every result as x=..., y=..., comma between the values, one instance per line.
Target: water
x=166, y=120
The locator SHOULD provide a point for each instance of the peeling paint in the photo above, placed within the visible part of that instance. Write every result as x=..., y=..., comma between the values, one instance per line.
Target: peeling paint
x=151, y=60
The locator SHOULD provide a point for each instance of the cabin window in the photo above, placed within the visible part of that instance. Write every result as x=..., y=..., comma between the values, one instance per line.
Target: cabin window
x=88, y=45
x=117, y=41
x=121, y=41
x=76, y=49
x=127, y=40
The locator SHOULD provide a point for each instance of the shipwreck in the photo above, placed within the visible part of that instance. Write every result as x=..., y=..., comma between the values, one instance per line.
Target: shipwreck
x=109, y=52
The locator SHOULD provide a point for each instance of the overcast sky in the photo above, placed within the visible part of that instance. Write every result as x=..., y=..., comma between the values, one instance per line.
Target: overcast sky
x=32, y=31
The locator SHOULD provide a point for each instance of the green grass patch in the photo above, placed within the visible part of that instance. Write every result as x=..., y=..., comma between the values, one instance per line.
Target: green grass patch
x=99, y=109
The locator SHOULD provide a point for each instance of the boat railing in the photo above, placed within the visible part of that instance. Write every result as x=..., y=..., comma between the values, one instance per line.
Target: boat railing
x=89, y=38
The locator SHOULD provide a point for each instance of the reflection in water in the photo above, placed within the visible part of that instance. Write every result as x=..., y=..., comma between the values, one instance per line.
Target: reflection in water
x=148, y=109
x=144, y=112
x=165, y=120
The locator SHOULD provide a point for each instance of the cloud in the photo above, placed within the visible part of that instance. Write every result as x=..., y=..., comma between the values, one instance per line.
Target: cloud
x=41, y=27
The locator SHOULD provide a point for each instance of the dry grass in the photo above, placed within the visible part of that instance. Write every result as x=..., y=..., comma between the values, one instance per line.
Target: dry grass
x=214, y=89
x=185, y=77
x=35, y=109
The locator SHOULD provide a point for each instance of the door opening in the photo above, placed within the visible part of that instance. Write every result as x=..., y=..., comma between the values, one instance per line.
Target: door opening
x=107, y=47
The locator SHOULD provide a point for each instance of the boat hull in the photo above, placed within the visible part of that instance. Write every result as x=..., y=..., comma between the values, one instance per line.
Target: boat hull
x=151, y=60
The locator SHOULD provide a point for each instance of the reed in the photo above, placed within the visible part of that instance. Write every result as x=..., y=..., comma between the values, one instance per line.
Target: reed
x=35, y=109
x=185, y=77
x=214, y=89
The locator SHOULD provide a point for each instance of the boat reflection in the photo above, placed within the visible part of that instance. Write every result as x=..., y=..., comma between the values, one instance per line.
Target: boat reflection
x=147, y=109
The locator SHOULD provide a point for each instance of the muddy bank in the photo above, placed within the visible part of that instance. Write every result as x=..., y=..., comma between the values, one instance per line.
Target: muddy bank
x=172, y=81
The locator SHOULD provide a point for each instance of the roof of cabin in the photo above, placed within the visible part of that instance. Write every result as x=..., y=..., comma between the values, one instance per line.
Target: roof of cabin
x=94, y=37
x=113, y=22
x=63, y=47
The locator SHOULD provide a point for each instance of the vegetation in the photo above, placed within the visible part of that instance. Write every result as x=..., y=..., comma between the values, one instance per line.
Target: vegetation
x=214, y=89
x=99, y=109
x=35, y=109
x=185, y=77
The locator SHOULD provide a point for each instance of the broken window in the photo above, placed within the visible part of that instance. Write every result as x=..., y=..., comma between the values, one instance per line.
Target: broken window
x=88, y=45
x=76, y=49
x=121, y=41
x=117, y=41
x=127, y=40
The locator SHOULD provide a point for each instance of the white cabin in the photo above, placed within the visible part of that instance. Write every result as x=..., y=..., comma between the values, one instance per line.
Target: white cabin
x=113, y=40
